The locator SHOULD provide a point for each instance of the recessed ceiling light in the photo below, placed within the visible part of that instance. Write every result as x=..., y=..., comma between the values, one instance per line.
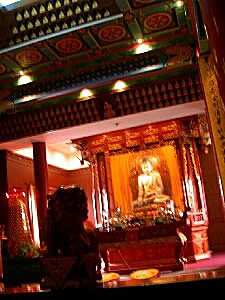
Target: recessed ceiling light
x=142, y=48
x=119, y=85
x=140, y=41
x=86, y=93
x=179, y=3
x=24, y=79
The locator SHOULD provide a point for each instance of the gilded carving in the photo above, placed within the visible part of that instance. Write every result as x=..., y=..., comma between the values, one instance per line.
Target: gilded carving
x=150, y=130
x=114, y=146
x=215, y=110
x=132, y=135
x=151, y=139
x=97, y=142
x=114, y=139
x=172, y=126
x=170, y=135
x=98, y=149
x=194, y=162
x=132, y=143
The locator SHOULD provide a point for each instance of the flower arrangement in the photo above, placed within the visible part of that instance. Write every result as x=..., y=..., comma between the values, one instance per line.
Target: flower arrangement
x=153, y=215
x=24, y=249
x=162, y=216
x=118, y=220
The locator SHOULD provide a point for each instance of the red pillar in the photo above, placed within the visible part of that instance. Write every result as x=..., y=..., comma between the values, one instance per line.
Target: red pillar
x=213, y=17
x=3, y=188
x=41, y=183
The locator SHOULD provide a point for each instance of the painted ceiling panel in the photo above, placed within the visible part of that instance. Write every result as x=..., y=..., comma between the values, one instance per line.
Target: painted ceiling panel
x=72, y=43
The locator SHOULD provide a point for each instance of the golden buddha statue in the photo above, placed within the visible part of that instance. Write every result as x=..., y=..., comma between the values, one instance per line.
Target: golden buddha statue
x=150, y=186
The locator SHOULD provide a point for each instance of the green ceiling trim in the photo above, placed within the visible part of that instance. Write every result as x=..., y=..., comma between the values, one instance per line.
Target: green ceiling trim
x=180, y=12
x=123, y=5
x=204, y=46
x=187, y=16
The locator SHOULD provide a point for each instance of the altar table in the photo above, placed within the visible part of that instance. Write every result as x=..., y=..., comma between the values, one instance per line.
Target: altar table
x=141, y=247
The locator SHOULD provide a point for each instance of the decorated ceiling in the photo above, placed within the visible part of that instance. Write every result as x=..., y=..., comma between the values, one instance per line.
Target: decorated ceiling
x=62, y=46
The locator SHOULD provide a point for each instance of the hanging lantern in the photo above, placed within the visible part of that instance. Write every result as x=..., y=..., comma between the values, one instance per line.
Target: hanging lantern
x=33, y=12
x=86, y=7
x=98, y=15
x=77, y=10
x=57, y=4
x=50, y=6
x=53, y=18
x=69, y=12
x=14, y=30
x=48, y=31
x=89, y=18
x=41, y=32
x=73, y=23
x=81, y=20
x=22, y=27
x=26, y=38
x=26, y=14
x=56, y=28
x=94, y=4
x=45, y=20
x=33, y=35
x=30, y=25
x=11, y=43
x=37, y=22
x=19, y=17
x=61, y=14
x=64, y=26
x=18, y=40
x=41, y=9
x=106, y=13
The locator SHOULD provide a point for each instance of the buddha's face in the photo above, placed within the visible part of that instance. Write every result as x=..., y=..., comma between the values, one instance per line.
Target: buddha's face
x=146, y=167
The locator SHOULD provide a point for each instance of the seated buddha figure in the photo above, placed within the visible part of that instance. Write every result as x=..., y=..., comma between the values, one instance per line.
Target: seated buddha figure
x=150, y=186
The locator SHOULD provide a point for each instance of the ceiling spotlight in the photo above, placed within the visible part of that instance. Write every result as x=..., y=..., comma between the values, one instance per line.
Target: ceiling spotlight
x=142, y=48
x=140, y=41
x=86, y=93
x=24, y=79
x=119, y=85
x=179, y=3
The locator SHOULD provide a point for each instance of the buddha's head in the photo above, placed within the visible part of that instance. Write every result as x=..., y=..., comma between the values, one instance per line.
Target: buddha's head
x=146, y=166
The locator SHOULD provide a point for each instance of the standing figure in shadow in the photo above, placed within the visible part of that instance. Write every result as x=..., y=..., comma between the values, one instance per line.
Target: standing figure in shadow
x=72, y=252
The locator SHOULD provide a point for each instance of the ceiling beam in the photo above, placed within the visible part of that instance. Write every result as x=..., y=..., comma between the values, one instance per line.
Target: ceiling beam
x=62, y=32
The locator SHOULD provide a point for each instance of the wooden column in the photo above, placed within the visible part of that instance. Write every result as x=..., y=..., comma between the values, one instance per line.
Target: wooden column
x=215, y=111
x=103, y=188
x=214, y=21
x=212, y=69
x=96, y=195
x=41, y=183
x=3, y=188
x=197, y=219
x=216, y=209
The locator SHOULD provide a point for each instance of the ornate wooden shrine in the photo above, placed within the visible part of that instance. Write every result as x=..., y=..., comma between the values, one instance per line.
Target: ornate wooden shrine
x=175, y=145
x=66, y=46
